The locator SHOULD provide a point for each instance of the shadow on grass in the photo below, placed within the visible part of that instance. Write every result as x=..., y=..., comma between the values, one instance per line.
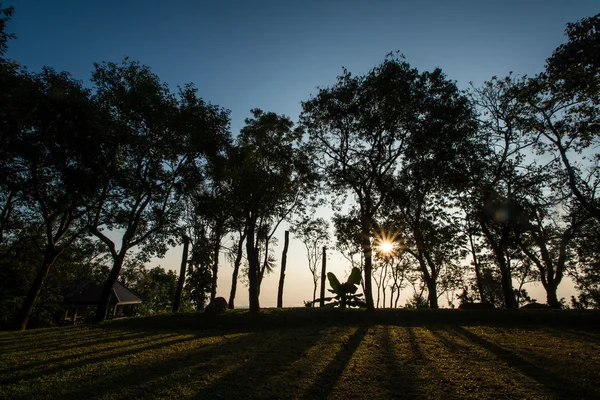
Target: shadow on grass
x=267, y=355
x=323, y=386
x=79, y=358
x=26, y=342
x=164, y=375
x=578, y=335
x=553, y=382
x=99, y=357
x=401, y=376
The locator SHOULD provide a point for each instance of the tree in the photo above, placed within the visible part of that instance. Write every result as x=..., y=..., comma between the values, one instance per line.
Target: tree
x=422, y=203
x=156, y=138
x=499, y=173
x=366, y=126
x=562, y=109
x=52, y=154
x=584, y=265
x=155, y=286
x=5, y=16
x=182, y=273
x=286, y=244
x=270, y=178
x=314, y=234
x=236, y=254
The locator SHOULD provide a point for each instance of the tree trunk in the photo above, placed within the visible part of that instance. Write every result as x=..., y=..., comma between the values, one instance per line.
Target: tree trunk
x=378, y=284
x=551, y=296
x=507, y=287
x=367, y=251
x=108, y=286
x=286, y=244
x=253, y=269
x=432, y=293
x=383, y=287
x=263, y=267
x=215, y=268
x=236, y=269
x=323, y=274
x=35, y=289
x=184, y=260
x=506, y=278
x=478, y=277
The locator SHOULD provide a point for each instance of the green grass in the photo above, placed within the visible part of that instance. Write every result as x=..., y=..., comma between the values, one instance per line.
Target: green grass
x=311, y=354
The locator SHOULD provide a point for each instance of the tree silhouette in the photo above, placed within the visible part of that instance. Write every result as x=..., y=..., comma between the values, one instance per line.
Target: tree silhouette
x=314, y=234
x=52, y=154
x=155, y=139
x=268, y=182
x=366, y=127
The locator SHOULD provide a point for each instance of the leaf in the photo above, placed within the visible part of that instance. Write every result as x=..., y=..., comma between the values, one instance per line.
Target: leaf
x=334, y=282
x=354, y=277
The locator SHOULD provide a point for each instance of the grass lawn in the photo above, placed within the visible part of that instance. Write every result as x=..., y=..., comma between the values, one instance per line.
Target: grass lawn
x=311, y=354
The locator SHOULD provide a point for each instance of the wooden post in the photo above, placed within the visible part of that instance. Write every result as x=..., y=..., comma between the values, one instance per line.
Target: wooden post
x=283, y=265
x=323, y=268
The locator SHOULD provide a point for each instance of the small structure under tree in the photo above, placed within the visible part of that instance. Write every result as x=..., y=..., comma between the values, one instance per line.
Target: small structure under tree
x=84, y=300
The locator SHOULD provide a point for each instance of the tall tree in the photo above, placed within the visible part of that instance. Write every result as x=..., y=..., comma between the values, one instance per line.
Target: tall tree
x=182, y=273
x=270, y=178
x=155, y=139
x=286, y=244
x=562, y=110
x=365, y=126
x=314, y=234
x=499, y=174
x=51, y=157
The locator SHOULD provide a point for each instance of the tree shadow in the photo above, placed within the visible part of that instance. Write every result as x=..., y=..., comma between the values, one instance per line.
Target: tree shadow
x=553, y=382
x=265, y=356
x=401, y=376
x=35, y=343
x=97, y=358
x=82, y=356
x=151, y=378
x=323, y=386
x=578, y=335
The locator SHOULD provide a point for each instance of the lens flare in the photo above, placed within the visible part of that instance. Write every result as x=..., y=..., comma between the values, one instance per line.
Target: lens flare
x=386, y=247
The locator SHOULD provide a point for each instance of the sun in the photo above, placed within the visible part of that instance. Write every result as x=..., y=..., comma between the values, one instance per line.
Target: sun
x=386, y=247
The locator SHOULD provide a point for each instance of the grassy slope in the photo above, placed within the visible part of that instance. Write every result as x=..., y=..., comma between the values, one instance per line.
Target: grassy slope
x=311, y=353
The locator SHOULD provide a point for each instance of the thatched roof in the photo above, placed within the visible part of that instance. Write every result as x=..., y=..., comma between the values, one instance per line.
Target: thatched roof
x=90, y=292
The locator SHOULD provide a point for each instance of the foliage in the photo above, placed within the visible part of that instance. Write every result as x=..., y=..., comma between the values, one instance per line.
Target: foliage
x=156, y=138
x=345, y=293
x=51, y=157
x=5, y=16
x=271, y=178
x=80, y=262
x=314, y=234
x=155, y=286
x=368, y=127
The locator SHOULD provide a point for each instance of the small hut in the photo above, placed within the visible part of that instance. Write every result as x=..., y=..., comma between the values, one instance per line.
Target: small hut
x=85, y=298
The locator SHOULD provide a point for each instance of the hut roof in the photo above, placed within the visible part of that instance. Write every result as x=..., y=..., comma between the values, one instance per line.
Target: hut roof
x=90, y=292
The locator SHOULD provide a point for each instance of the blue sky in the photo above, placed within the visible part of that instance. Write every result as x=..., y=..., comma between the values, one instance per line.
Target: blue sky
x=273, y=54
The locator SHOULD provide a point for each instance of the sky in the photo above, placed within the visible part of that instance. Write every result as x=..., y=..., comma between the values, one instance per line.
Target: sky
x=274, y=54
